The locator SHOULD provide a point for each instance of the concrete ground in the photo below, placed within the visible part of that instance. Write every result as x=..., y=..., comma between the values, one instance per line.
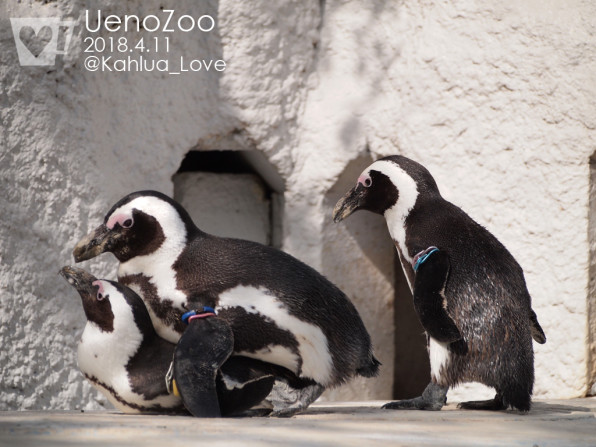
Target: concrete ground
x=550, y=423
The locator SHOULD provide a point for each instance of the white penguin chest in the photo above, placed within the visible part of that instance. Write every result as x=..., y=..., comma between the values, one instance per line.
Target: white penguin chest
x=104, y=356
x=159, y=272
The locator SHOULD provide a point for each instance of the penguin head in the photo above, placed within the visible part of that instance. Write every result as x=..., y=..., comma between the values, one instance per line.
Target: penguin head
x=108, y=304
x=393, y=183
x=96, y=299
x=137, y=225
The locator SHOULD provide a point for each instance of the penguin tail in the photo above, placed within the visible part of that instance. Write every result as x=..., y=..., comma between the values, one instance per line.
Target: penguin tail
x=371, y=368
x=536, y=330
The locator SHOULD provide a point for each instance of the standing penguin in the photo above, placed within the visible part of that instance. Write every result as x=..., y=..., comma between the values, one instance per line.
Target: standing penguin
x=469, y=292
x=280, y=310
x=123, y=357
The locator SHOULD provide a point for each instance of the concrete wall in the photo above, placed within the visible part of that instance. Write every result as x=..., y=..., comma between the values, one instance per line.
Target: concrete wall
x=592, y=281
x=495, y=98
x=227, y=205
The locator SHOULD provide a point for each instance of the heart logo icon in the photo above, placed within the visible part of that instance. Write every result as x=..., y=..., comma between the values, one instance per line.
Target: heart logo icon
x=35, y=42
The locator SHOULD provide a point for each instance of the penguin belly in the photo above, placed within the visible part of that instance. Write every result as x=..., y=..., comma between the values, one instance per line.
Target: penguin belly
x=498, y=343
x=104, y=366
x=439, y=357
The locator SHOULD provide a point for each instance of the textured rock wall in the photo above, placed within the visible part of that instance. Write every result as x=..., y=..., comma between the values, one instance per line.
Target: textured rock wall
x=74, y=142
x=495, y=98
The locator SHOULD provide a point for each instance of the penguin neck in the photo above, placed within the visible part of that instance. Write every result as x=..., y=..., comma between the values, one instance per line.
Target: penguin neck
x=158, y=267
x=396, y=216
x=405, y=224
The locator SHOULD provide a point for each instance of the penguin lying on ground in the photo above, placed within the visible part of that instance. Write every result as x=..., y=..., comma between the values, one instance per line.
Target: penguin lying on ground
x=469, y=292
x=280, y=310
x=123, y=357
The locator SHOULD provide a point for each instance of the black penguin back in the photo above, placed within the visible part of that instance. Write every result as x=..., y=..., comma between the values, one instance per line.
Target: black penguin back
x=210, y=265
x=486, y=295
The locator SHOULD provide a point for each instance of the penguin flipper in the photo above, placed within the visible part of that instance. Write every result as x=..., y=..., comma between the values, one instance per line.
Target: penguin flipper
x=537, y=332
x=203, y=348
x=429, y=300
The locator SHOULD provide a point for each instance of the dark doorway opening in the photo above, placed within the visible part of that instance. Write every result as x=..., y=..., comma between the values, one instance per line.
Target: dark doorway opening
x=412, y=365
x=232, y=193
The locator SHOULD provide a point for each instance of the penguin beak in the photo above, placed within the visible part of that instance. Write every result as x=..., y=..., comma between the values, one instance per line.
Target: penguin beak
x=349, y=203
x=92, y=245
x=80, y=280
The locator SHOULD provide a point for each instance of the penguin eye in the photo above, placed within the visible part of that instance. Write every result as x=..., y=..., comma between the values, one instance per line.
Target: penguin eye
x=101, y=296
x=127, y=223
x=367, y=182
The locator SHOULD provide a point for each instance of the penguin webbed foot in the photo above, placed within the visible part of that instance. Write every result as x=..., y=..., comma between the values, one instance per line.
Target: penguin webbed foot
x=432, y=399
x=252, y=413
x=201, y=351
x=496, y=404
x=287, y=400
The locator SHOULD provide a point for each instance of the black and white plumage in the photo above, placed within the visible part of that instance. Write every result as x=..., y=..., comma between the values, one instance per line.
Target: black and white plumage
x=470, y=294
x=280, y=310
x=119, y=352
x=123, y=357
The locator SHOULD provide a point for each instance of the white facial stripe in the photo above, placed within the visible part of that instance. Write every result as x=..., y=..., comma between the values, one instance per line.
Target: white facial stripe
x=408, y=193
x=104, y=355
x=439, y=357
x=165, y=214
x=312, y=343
x=158, y=265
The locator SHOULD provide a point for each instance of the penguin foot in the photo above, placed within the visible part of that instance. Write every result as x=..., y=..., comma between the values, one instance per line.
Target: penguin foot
x=287, y=401
x=433, y=398
x=496, y=404
x=287, y=412
x=203, y=348
x=253, y=413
